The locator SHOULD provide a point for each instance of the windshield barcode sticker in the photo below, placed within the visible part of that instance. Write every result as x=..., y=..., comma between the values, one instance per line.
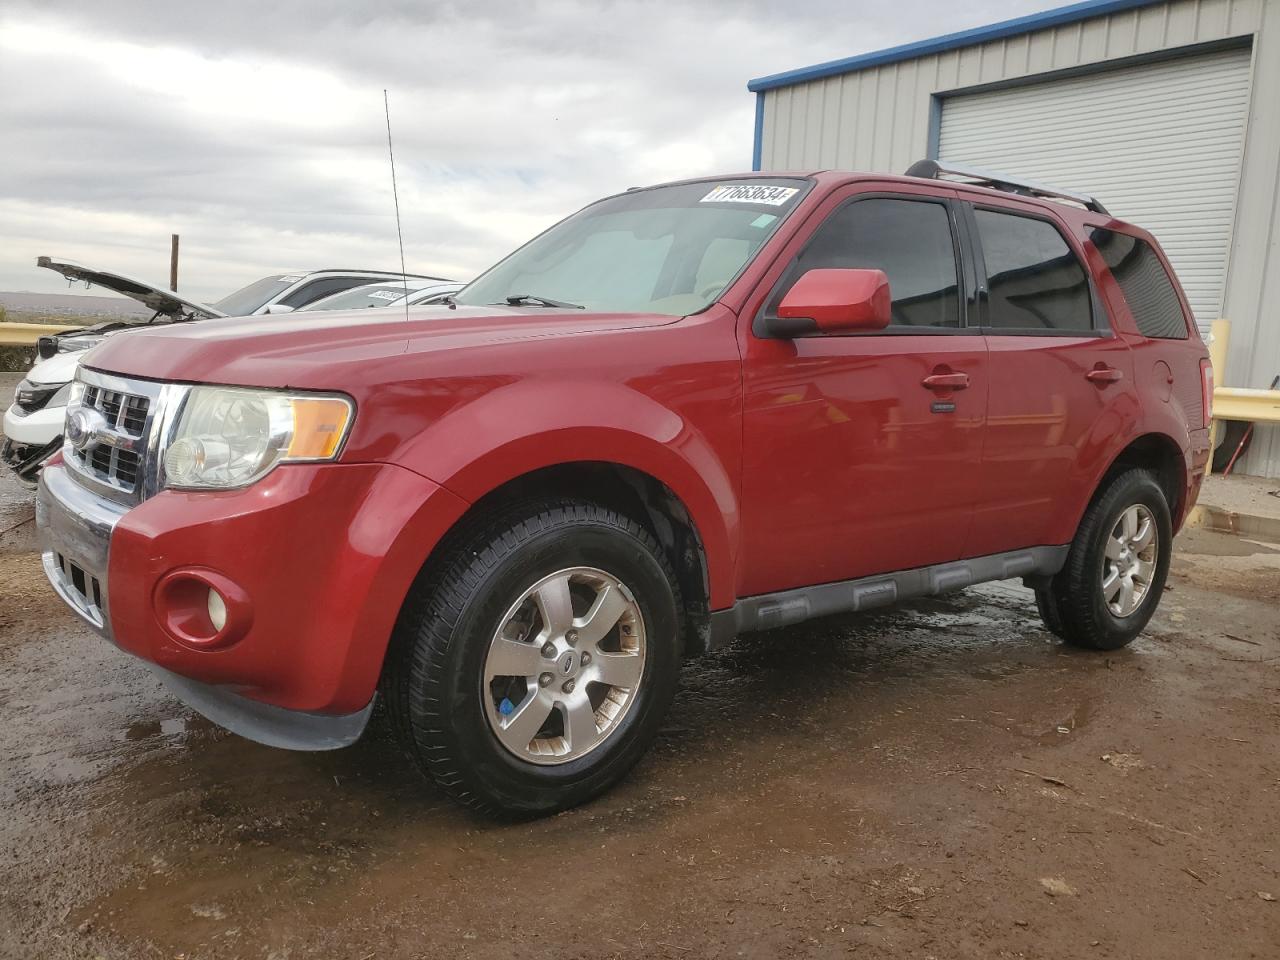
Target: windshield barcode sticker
x=751, y=193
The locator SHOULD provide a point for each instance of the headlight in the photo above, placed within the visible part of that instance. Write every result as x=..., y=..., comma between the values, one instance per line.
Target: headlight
x=78, y=344
x=28, y=393
x=228, y=437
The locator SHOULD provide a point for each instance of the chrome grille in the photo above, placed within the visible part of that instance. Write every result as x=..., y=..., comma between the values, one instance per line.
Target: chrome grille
x=113, y=465
x=129, y=413
x=111, y=432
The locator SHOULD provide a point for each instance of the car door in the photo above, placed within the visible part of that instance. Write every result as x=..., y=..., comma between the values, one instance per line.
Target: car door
x=1061, y=380
x=853, y=463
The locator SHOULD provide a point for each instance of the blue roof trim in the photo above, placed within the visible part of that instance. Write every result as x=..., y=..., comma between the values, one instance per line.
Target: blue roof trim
x=921, y=48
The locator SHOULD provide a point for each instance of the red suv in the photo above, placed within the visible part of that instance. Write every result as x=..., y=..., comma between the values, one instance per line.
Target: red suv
x=682, y=413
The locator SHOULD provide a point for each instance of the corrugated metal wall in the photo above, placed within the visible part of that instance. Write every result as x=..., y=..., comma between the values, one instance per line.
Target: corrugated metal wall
x=879, y=119
x=1252, y=302
x=1160, y=142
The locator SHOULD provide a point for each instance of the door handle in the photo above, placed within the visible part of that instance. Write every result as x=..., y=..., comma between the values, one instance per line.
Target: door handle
x=1104, y=375
x=946, y=381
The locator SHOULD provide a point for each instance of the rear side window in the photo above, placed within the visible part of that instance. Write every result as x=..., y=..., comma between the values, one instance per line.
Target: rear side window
x=1145, y=283
x=910, y=240
x=1034, y=280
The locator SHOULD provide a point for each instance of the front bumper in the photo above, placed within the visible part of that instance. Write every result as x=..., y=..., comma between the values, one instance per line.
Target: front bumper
x=324, y=554
x=75, y=541
x=35, y=429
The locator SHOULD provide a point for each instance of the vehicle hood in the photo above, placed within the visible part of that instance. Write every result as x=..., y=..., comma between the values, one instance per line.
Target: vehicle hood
x=340, y=349
x=55, y=370
x=155, y=298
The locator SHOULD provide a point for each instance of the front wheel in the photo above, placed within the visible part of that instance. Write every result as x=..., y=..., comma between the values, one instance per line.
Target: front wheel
x=532, y=670
x=1116, y=567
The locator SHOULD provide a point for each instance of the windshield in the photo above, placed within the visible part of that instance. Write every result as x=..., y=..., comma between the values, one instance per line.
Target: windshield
x=379, y=295
x=670, y=250
x=248, y=299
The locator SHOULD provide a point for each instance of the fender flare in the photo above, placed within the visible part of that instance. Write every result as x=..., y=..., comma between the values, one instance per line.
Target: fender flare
x=1178, y=508
x=532, y=424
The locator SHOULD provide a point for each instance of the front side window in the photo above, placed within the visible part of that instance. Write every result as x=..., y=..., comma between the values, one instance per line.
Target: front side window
x=671, y=250
x=1034, y=280
x=910, y=240
x=1145, y=284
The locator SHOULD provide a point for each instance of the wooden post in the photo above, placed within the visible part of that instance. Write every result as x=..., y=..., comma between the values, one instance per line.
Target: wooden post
x=173, y=263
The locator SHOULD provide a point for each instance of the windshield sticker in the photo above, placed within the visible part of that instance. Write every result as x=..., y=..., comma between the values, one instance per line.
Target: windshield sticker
x=750, y=193
x=290, y=279
x=386, y=294
x=763, y=220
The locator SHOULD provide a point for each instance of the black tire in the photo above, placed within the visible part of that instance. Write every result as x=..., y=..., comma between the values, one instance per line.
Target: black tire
x=1047, y=605
x=432, y=683
x=1233, y=435
x=1074, y=607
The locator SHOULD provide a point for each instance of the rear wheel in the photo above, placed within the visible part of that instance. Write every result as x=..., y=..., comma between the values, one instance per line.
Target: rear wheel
x=532, y=670
x=1116, y=567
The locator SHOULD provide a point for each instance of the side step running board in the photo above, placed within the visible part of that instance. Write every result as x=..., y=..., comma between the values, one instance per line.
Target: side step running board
x=771, y=610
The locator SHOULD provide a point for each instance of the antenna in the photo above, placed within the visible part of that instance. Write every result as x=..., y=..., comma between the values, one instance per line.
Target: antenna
x=395, y=194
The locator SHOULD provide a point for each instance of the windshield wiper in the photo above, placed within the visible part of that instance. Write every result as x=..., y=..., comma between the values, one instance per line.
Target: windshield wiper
x=516, y=299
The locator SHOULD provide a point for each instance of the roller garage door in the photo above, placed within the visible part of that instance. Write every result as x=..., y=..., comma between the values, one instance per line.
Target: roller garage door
x=1159, y=144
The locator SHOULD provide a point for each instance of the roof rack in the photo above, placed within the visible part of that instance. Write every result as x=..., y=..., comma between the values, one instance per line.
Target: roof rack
x=933, y=170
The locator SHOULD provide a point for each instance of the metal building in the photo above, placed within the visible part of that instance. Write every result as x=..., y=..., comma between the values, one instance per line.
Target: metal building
x=1167, y=110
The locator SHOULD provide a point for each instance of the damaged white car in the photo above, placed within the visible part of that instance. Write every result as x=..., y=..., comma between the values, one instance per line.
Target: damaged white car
x=33, y=423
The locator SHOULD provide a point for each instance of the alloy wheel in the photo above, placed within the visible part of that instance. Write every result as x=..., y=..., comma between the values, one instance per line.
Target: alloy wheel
x=1129, y=560
x=564, y=666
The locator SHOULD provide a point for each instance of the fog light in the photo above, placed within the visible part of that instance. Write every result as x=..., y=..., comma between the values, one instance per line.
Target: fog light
x=202, y=609
x=217, y=610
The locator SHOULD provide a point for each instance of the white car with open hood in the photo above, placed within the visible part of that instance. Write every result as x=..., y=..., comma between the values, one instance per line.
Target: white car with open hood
x=33, y=423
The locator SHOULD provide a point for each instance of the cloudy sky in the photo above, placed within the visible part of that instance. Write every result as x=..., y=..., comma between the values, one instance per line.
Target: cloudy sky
x=255, y=130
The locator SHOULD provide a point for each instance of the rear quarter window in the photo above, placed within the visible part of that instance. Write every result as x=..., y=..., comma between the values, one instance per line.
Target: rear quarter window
x=1145, y=283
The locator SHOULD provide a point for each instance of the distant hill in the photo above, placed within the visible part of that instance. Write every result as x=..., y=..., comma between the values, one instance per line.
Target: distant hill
x=70, y=305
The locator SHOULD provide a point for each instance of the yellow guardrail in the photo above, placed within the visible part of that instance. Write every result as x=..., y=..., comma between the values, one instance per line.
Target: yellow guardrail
x=26, y=334
x=1241, y=403
x=1236, y=403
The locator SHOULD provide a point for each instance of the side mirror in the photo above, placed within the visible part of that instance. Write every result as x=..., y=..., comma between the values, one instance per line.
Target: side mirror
x=278, y=308
x=834, y=301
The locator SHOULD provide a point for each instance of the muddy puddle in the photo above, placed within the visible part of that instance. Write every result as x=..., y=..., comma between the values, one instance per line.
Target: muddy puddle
x=896, y=784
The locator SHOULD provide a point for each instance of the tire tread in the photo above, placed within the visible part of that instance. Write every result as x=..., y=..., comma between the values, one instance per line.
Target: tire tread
x=412, y=683
x=1068, y=605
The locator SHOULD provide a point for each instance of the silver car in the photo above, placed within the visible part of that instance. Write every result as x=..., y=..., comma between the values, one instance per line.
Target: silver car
x=388, y=293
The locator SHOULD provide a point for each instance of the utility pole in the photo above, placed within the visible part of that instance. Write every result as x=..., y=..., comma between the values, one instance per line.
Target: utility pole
x=173, y=263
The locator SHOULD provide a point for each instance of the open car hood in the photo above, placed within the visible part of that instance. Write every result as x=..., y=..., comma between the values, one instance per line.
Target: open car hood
x=155, y=298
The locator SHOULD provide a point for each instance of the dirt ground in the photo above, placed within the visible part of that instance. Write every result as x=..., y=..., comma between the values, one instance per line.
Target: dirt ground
x=942, y=780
